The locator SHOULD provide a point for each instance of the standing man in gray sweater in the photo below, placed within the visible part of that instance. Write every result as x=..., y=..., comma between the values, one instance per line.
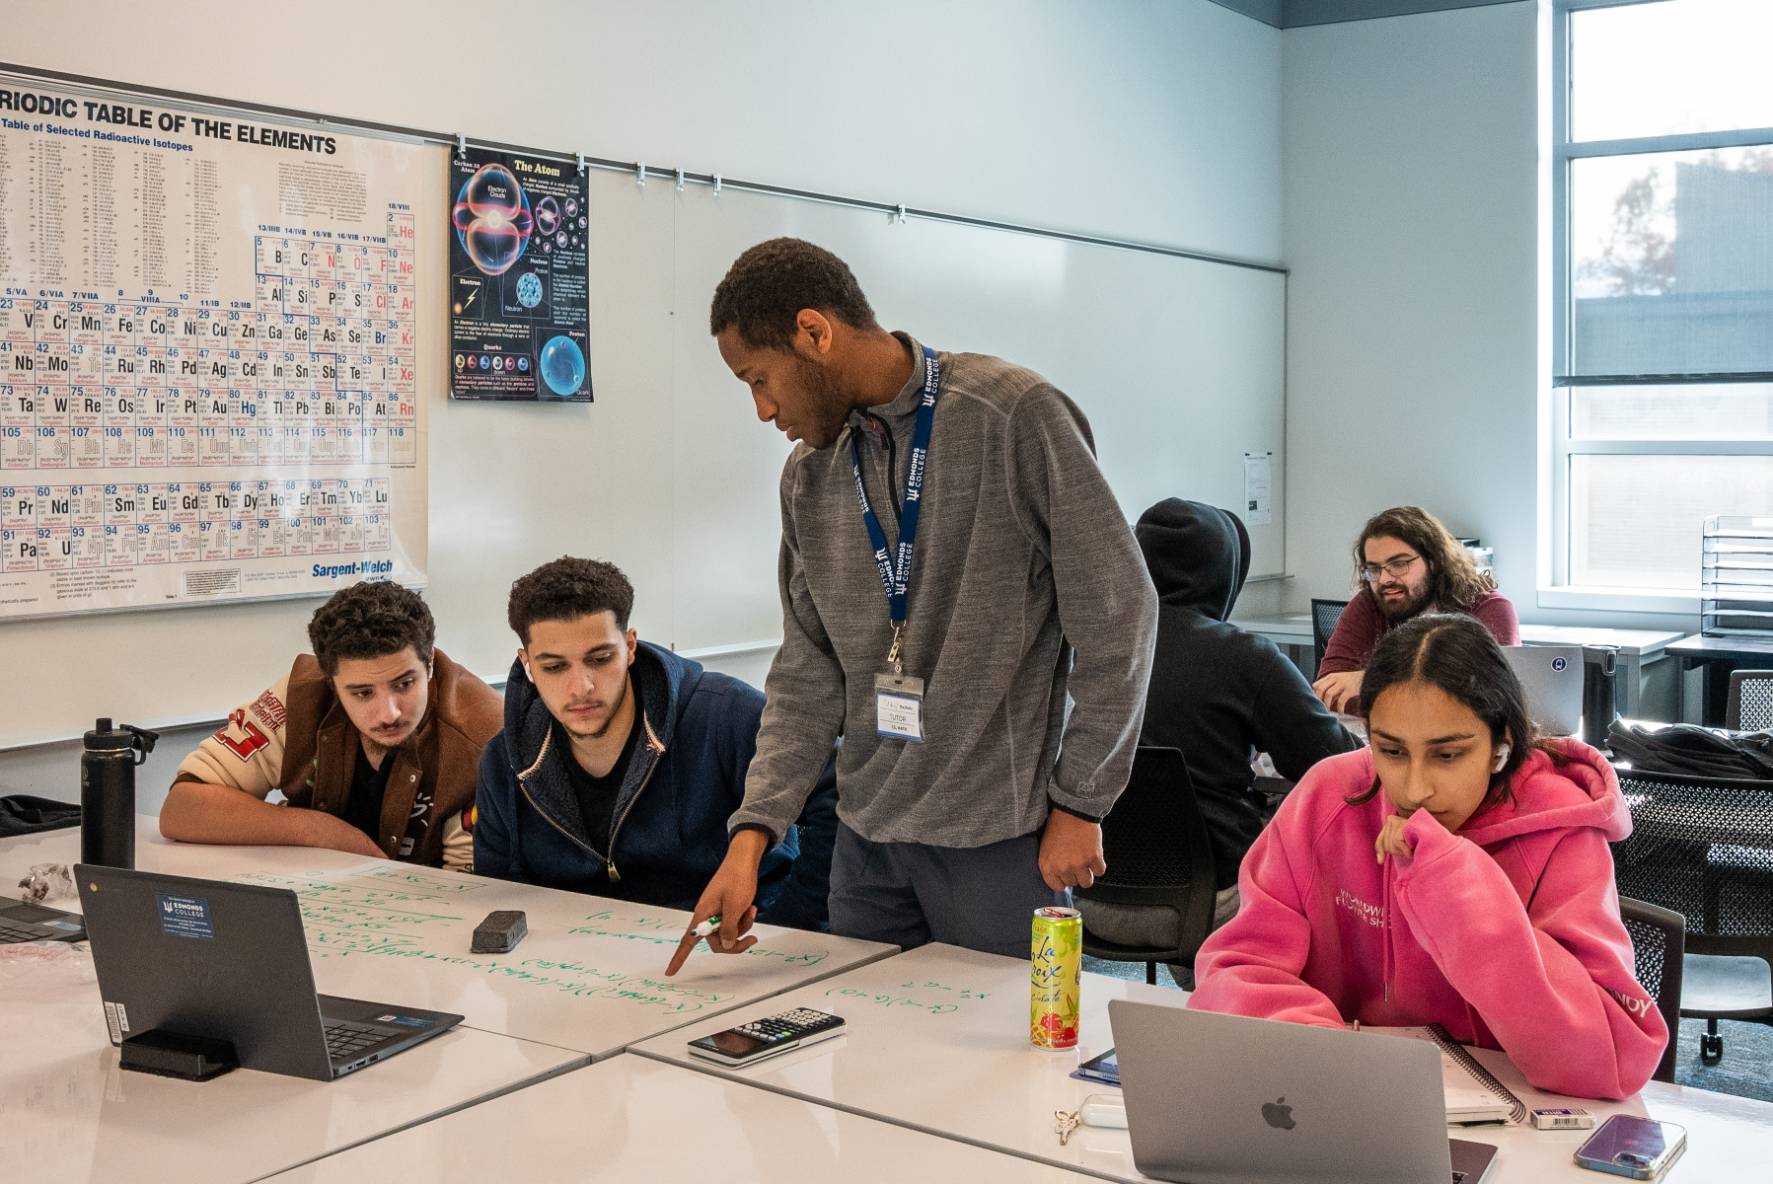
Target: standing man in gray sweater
x=962, y=602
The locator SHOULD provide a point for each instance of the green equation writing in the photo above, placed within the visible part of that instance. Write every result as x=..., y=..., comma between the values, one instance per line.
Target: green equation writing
x=936, y=998
x=399, y=914
x=651, y=930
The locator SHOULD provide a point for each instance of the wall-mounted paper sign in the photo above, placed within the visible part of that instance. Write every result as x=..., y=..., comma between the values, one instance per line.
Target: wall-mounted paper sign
x=1258, y=488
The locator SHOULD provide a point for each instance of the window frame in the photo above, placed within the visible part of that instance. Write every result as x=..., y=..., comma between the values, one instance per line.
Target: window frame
x=1561, y=383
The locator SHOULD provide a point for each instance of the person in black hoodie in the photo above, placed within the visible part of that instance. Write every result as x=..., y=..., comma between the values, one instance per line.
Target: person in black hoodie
x=1218, y=694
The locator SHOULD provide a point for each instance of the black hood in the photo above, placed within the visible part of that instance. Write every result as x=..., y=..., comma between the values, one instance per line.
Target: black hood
x=1198, y=555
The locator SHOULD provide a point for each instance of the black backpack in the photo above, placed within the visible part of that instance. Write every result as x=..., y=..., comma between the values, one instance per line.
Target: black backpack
x=23, y=814
x=1687, y=750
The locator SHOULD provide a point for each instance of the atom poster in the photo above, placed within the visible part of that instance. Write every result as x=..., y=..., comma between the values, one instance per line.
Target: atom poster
x=209, y=344
x=519, y=273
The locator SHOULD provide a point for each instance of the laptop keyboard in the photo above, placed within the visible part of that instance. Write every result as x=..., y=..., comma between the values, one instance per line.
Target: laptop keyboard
x=11, y=932
x=345, y=1040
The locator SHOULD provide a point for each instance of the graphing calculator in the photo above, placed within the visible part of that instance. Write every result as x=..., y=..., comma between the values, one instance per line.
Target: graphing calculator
x=770, y=1036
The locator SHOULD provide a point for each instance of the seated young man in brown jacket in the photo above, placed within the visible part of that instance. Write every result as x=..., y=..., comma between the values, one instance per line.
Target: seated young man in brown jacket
x=374, y=739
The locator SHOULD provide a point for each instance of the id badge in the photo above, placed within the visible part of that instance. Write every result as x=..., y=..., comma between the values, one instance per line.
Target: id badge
x=898, y=707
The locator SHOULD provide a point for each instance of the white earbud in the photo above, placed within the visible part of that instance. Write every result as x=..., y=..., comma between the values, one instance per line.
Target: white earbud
x=527, y=674
x=1502, y=751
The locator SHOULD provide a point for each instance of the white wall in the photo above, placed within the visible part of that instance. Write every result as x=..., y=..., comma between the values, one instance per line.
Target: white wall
x=1128, y=118
x=1145, y=120
x=1411, y=170
x=1412, y=228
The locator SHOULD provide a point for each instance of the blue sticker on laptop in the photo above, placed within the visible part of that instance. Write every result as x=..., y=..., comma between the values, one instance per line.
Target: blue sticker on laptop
x=185, y=916
x=410, y=1021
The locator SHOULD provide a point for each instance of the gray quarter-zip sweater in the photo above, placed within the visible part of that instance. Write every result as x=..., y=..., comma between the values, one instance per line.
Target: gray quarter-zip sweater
x=1022, y=556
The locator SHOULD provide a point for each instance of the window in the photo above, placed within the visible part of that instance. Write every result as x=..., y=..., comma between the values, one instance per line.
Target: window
x=1662, y=278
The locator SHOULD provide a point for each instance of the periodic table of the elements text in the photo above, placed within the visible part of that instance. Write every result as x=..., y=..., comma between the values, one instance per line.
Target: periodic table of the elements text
x=208, y=368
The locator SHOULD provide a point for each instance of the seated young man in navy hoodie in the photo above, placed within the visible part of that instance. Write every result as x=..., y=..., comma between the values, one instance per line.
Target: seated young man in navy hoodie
x=620, y=762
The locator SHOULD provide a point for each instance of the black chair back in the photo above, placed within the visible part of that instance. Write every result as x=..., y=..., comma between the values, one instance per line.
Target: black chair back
x=1702, y=847
x=1750, y=705
x=1156, y=848
x=1659, y=942
x=1324, y=615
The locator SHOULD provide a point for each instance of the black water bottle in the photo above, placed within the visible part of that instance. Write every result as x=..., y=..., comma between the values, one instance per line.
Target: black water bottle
x=107, y=792
x=1600, y=700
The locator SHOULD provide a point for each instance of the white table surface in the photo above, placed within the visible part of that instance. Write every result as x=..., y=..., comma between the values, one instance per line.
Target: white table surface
x=69, y=1113
x=937, y=1040
x=1632, y=642
x=632, y=1119
x=588, y=977
x=925, y=1050
x=1296, y=628
x=1293, y=627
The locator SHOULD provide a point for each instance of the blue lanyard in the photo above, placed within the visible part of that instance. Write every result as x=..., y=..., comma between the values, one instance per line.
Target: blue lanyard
x=895, y=571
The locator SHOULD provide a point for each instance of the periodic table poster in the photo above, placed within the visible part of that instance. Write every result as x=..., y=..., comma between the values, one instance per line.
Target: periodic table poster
x=208, y=356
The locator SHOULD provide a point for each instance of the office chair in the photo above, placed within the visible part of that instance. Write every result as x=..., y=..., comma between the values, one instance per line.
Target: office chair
x=1659, y=943
x=1750, y=705
x=1703, y=847
x=1159, y=859
x=1324, y=615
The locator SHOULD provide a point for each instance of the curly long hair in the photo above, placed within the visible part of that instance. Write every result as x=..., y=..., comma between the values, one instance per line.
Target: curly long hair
x=1455, y=584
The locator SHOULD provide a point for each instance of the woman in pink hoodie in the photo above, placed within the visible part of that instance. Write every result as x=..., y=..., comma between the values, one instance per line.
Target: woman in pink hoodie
x=1455, y=872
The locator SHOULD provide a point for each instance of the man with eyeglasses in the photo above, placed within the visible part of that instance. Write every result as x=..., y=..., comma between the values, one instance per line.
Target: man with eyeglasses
x=1406, y=563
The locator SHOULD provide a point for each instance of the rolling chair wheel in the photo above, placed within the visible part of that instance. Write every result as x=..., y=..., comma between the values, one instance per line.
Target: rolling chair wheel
x=1711, y=1048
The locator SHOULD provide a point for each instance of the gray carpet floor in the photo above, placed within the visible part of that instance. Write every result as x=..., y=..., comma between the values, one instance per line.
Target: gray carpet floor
x=1746, y=1069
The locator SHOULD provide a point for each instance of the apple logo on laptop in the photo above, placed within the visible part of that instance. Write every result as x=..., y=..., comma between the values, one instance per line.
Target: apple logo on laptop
x=1278, y=1116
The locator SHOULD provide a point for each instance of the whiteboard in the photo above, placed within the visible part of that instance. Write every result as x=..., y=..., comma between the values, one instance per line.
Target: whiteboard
x=1177, y=363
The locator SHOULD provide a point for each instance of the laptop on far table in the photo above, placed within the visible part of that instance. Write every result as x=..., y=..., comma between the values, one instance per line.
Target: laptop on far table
x=1220, y=1099
x=207, y=958
x=1551, y=676
x=23, y=921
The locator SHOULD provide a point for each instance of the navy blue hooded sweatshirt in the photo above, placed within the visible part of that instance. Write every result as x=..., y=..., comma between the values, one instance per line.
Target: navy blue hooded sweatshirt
x=669, y=826
x=1217, y=693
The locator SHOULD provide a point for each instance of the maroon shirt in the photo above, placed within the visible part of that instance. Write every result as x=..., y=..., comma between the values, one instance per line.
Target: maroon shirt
x=1363, y=624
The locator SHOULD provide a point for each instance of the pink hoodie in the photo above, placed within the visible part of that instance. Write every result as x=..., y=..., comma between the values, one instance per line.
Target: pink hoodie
x=1508, y=932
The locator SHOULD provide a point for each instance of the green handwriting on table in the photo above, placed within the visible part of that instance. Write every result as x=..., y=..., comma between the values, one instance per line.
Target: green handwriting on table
x=918, y=994
x=654, y=931
x=398, y=915
x=577, y=979
x=448, y=883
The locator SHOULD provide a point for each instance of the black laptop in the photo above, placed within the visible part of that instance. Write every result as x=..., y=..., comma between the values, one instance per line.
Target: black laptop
x=207, y=958
x=22, y=921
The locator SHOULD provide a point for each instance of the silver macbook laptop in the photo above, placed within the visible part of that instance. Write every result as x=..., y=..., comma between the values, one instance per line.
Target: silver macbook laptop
x=1218, y=1099
x=1551, y=675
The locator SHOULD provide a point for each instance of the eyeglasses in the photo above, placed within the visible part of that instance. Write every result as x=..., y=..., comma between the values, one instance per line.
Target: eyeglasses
x=1395, y=568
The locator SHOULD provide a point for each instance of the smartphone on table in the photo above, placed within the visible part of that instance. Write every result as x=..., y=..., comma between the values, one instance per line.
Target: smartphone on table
x=1637, y=1148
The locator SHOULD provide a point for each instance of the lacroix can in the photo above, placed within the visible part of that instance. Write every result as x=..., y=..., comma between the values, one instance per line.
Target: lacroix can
x=1055, y=976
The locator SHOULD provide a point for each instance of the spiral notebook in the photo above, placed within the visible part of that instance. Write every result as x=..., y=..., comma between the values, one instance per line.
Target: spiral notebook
x=1473, y=1093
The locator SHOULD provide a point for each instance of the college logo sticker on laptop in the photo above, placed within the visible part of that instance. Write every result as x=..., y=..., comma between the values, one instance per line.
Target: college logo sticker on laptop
x=185, y=916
